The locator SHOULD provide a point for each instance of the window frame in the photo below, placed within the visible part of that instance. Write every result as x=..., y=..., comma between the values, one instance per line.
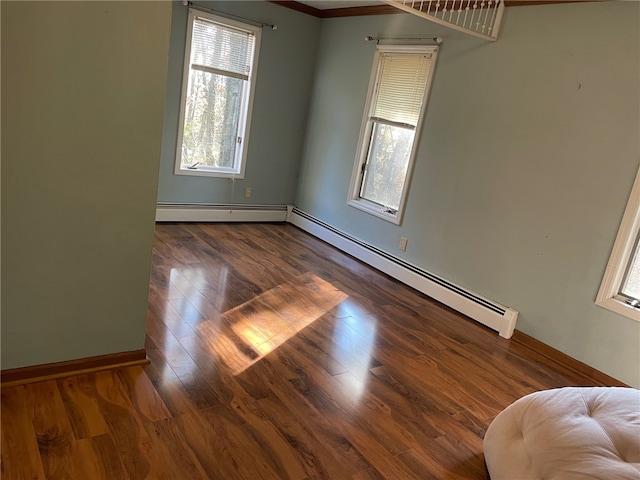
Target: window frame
x=244, y=120
x=367, y=127
x=609, y=296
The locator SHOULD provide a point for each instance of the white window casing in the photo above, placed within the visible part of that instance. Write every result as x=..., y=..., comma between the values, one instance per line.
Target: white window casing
x=394, y=112
x=610, y=294
x=223, y=51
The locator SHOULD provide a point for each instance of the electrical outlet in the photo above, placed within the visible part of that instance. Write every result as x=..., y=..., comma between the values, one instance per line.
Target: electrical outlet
x=403, y=244
x=247, y=192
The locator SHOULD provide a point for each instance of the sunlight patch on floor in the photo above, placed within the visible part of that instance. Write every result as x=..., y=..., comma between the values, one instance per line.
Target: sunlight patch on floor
x=248, y=332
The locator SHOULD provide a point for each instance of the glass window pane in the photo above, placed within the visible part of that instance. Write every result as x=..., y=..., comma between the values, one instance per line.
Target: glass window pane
x=387, y=164
x=631, y=284
x=212, y=110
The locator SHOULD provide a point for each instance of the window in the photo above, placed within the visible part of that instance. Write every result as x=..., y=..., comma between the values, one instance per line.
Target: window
x=395, y=107
x=217, y=92
x=620, y=289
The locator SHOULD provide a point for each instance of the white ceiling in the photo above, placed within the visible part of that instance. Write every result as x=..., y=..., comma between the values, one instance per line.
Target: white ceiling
x=327, y=4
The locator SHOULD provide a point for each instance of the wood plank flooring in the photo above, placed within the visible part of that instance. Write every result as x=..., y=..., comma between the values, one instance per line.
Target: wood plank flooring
x=275, y=356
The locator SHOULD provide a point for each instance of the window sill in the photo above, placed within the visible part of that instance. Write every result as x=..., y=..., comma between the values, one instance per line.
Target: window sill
x=375, y=210
x=619, y=306
x=208, y=173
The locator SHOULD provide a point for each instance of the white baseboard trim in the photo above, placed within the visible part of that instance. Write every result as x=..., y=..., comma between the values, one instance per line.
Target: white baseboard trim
x=220, y=213
x=487, y=312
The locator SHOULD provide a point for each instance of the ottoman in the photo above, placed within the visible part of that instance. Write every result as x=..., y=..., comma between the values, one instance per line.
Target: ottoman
x=567, y=434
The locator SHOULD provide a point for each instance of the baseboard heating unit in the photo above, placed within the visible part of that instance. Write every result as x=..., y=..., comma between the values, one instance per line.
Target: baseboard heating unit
x=202, y=212
x=487, y=312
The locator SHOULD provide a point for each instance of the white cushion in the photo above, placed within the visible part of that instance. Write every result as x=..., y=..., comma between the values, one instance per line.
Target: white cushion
x=567, y=434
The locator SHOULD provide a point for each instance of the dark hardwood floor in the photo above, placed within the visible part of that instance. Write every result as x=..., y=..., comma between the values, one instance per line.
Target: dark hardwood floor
x=275, y=356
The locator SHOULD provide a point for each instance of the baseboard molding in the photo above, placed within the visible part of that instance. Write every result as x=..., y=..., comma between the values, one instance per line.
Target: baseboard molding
x=220, y=213
x=38, y=373
x=565, y=360
x=487, y=312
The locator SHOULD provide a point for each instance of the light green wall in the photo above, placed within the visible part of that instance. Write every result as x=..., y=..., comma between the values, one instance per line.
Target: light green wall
x=527, y=157
x=284, y=78
x=82, y=100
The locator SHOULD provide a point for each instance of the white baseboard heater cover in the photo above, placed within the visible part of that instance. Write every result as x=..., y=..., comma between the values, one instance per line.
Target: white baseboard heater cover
x=201, y=212
x=487, y=312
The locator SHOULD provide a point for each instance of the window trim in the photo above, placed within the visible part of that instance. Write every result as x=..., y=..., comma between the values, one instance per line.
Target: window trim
x=366, y=127
x=623, y=248
x=245, y=114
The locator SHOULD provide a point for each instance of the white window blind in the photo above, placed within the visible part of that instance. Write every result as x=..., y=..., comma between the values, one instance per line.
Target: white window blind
x=403, y=79
x=221, y=49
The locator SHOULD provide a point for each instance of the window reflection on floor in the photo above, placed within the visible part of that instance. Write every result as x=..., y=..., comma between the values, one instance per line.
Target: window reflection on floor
x=252, y=330
x=240, y=336
x=196, y=291
x=354, y=339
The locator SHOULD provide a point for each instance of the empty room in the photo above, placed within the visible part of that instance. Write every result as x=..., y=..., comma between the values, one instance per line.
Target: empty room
x=320, y=239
